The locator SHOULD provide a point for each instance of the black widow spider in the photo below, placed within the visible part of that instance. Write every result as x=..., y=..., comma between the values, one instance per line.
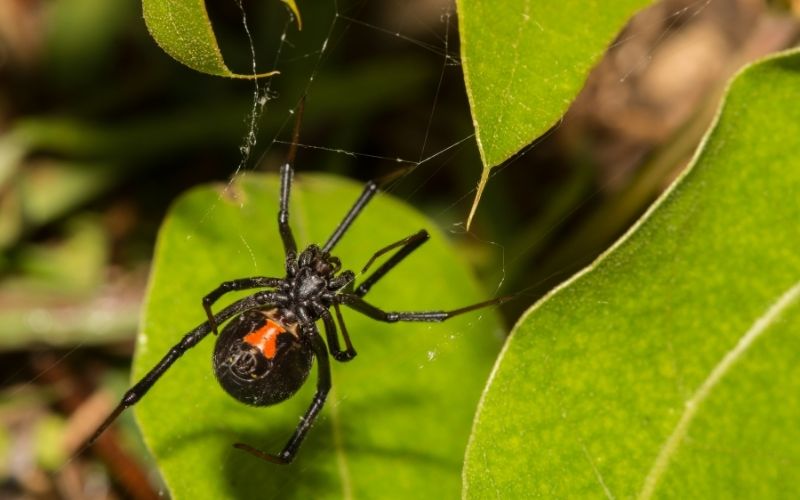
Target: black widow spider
x=264, y=355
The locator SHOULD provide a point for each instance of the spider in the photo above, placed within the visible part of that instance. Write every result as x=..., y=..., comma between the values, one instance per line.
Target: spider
x=264, y=354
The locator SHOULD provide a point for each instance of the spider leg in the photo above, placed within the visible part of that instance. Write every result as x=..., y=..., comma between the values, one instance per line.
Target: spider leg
x=287, y=173
x=360, y=305
x=369, y=191
x=191, y=339
x=408, y=245
x=332, y=337
x=289, y=245
x=234, y=285
x=323, y=387
x=350, y=352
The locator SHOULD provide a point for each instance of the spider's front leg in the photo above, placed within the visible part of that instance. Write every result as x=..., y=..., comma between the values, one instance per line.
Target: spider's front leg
x=231, y=286
x=289, y=245
x=309, y=331
x=287, y=173
x=360, y=305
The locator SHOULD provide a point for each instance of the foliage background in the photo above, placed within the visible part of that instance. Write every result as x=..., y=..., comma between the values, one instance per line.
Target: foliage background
x=100, y=131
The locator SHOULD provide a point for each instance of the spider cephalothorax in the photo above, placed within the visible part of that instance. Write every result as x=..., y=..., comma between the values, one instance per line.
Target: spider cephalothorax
x=265, y=350
x=311, y=281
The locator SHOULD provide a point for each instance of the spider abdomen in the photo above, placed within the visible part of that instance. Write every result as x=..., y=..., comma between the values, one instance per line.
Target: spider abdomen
x=259, y=361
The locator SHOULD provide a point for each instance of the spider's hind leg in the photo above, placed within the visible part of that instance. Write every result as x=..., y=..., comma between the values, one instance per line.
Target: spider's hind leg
x=360, y=305
x=287, y=174
x=370, y=190
x=289, y=244
x=191, y=339
x=323, y=387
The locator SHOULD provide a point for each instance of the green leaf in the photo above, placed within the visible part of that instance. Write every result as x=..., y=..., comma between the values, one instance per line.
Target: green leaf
x=292, y=5
x=671, y=366
x=397, y=421
x=182, y=28
x=524, y=63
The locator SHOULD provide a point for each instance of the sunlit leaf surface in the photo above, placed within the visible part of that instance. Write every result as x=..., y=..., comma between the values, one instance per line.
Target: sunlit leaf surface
x=182, y=28
x=397, y=422
x=524, y=62
x=671, y=367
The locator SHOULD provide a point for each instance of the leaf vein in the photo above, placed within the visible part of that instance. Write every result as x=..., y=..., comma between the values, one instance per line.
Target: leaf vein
x=506, y=95
x=597, y=474
x=680, y=431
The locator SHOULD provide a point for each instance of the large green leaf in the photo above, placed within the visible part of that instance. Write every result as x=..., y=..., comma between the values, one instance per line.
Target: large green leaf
x=524, y=63
x=182, y=28
x=398, y=419
x=671, y=366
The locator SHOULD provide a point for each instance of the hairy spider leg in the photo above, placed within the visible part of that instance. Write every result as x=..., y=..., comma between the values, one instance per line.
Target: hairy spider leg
x=191, y=339
x=360, y=305
x=289, y=245
x=323, y=387
x=370, y=190
x=354, y=299
x=408, y=245
x=287, y=173
x=414, y=241
x=231, y=286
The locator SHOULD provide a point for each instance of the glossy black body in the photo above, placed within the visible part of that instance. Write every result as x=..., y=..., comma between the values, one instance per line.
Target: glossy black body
x=249, y=376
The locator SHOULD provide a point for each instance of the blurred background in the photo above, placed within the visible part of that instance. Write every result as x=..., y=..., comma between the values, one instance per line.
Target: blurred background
x=100, y=131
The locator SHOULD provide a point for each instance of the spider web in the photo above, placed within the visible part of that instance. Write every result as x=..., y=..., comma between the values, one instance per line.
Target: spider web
x=254, y=154
x=426, y=166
